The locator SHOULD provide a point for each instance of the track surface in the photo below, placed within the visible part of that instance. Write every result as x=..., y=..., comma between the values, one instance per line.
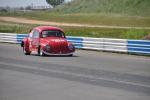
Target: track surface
x=89, y=75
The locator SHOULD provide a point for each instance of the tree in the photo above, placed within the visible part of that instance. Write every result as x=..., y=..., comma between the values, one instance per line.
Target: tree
x=55, y=3
x=3, y=10
x=28, y=8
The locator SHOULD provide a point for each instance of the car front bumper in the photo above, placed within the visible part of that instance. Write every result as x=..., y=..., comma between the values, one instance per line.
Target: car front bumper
x=61, y=54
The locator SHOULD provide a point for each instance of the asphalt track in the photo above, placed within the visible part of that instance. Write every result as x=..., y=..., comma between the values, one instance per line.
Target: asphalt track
x=88, y=75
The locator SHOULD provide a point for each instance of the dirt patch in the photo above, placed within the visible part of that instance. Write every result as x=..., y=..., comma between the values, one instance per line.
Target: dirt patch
x=147, y=37
x=29, y=21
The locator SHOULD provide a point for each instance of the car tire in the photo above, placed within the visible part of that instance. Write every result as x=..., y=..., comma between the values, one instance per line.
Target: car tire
x=25, y=52
x=70, y=55
x=40, y=52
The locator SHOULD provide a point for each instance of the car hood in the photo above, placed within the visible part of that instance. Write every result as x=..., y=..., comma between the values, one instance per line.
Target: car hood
x=57, y=44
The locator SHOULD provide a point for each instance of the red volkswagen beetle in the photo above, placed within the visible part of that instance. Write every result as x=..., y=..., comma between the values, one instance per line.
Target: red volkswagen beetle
x=47, y=40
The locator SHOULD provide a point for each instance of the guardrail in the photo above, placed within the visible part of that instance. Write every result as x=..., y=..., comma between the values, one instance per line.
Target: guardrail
x=102, y=44
x=139, y=46
x=8, y=37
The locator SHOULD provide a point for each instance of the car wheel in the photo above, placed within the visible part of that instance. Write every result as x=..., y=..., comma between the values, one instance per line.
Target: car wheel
x=25, y=52
x=40, y=52
x=70, y=55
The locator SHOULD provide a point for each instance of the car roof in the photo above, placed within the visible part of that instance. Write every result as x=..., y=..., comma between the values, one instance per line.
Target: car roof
x=42, y=28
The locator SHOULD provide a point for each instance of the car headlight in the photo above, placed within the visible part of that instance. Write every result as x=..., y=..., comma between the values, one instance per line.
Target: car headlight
x=47, y=47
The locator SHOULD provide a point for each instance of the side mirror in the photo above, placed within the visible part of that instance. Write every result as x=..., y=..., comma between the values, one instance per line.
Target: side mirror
x=30, y=30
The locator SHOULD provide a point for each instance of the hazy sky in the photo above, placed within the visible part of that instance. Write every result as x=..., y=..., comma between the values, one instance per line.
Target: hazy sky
x=18, y=3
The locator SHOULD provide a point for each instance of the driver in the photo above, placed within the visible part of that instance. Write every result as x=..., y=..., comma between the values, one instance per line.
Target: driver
x=44, y=34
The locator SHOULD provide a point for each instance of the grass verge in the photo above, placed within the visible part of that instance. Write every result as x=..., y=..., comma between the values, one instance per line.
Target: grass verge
x=84, y=18
x=84, y=32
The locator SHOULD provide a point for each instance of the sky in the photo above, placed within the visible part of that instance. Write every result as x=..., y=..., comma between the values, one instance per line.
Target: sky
x=23, y=3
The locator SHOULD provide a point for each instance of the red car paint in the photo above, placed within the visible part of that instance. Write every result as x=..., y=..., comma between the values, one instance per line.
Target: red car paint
x=47, y=40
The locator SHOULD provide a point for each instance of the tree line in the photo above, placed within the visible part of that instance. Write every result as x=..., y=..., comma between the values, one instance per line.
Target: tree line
x=55, y=3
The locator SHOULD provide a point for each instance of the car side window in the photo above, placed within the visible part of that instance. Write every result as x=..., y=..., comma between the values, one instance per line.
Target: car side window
x=31, y=35
x=35, y=34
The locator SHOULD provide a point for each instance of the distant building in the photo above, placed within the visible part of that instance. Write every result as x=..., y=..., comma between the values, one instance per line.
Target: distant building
x=68, y=1
x=41, y=7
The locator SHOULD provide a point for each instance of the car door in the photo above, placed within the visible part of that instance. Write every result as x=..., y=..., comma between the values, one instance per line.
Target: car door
x=34, y=40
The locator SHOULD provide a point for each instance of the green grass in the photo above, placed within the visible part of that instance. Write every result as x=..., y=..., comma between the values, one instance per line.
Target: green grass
x=84, y=18
x=98, y=12
x=107, y=33
x=123, y=7
x=83, y=32
x=15, y=28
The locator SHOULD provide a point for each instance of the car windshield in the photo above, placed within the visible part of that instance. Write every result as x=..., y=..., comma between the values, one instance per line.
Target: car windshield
x=52, y=33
